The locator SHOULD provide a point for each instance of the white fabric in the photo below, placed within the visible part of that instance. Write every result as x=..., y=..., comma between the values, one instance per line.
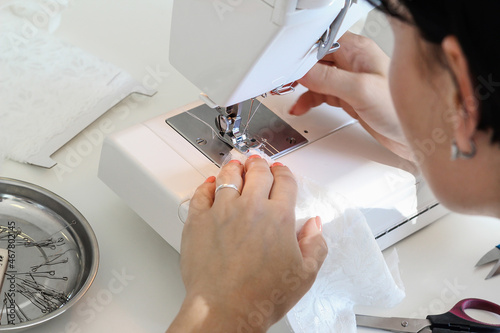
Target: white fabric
x=354, y=272
x=47, y=85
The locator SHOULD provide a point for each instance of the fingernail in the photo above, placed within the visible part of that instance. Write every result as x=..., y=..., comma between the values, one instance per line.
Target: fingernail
x=319, y=224
x=276, y=164
x=254, y=156
x=234, y=161
x=210, y=179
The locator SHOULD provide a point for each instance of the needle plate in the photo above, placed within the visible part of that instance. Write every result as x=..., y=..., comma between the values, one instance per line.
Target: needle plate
x=198, y=126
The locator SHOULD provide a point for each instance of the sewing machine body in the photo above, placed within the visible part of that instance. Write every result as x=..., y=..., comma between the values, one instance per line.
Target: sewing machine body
x=233, y=54
x=154, y=169
x=236, y=50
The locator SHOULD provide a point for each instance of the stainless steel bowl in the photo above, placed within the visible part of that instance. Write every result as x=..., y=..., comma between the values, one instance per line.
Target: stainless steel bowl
x=53, y=255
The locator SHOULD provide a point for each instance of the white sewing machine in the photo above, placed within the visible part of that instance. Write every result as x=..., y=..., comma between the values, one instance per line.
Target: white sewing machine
x=236, y=50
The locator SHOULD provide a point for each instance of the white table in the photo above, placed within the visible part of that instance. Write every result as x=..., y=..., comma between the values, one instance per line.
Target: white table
x=138, y=287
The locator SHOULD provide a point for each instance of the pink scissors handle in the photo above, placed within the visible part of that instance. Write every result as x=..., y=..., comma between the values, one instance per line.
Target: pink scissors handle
x=456, y=320
x=477, y=304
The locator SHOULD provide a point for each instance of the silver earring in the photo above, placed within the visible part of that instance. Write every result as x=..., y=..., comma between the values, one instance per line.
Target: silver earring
x=456, y=153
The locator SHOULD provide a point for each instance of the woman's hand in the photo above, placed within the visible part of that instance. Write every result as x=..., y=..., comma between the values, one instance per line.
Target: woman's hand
x=355, y=78
x=242, y=262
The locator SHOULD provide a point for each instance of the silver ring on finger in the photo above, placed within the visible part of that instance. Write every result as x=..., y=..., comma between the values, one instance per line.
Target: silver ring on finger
x=234, y=187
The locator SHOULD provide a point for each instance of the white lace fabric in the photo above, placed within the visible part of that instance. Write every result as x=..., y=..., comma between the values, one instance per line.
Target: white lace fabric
x=47, y=85
x=354, y=272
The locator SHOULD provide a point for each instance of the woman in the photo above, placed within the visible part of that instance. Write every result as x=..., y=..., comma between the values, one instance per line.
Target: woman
x=441, y=90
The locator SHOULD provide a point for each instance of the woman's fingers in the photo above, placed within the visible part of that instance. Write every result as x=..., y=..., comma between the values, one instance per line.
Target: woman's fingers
x=258, y=178
x=358, y=54
x=333, y=81
x=285, y=186
x=312, y=244
x=203, y=197
x=307, y=101
x=330, y=85
x=344, y=77
x=343, y=57
x=229, y=181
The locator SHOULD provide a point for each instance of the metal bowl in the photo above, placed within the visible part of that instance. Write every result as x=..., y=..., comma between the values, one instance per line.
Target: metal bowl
x=53, y=255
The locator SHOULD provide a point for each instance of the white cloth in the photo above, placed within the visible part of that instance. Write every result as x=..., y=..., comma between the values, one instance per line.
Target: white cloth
x=49, y=89
x=354, y=272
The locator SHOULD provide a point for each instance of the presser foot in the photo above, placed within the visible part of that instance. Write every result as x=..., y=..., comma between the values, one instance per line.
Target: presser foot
x=265, y=131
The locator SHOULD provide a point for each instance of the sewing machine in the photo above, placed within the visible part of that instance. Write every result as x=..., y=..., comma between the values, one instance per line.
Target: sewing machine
x=243, y=56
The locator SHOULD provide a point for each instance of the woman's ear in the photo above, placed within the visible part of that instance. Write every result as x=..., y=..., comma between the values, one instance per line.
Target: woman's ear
x=467, y=116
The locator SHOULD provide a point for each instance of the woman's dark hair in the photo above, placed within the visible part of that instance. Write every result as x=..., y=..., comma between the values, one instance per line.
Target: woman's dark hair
x=476, y=25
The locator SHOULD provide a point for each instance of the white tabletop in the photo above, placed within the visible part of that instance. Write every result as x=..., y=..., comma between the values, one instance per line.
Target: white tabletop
x=139, y=287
